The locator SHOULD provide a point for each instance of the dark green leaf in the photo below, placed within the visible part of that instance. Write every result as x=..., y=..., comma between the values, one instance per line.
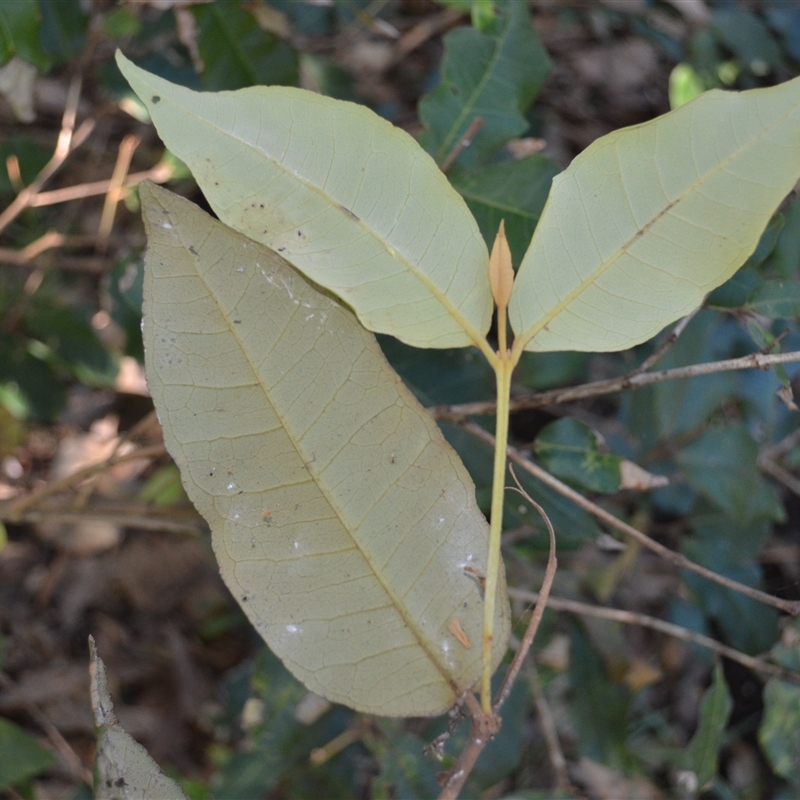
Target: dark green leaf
x=600, y=708
x=74, y=342
x=674, y=407
x=237, y=53
x=495, y=77
x=541, y=371
x=406, y=772
x=721, y=465
x=21, y=757
x=31, y=156
x=702, y=757
x=779, y=733
x=785, y=258
x=746, y=624
x=766, y=244
x=776, y=299
x=63, y=29
x=19, y=33
x=748, y=38
x=125, y=290
x=735, y=291
x=27, y=382
x=568, y=449
x=514, y=191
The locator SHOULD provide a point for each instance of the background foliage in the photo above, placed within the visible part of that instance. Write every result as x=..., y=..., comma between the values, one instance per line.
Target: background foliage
x=637, y=713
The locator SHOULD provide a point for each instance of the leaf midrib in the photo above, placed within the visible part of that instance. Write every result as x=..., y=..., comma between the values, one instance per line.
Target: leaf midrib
x=439, y=294
x=307, y=459
x=530, y=332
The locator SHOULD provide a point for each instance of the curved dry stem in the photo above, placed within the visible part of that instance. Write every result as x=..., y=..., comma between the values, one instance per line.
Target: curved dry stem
x=538, y=610
x=595, y=510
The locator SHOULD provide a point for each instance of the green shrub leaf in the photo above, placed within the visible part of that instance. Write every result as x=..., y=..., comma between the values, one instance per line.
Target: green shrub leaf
x=514, y=191
x=342, y=520
x=649, y=219
x=341, y=194
x=491, y=76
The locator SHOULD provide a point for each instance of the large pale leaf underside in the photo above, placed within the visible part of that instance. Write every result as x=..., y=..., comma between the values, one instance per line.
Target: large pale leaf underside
x=649, y=219
x=351, y=201
x=342, y=520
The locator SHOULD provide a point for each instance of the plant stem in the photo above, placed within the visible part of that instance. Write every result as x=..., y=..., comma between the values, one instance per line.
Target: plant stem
x=504, y=369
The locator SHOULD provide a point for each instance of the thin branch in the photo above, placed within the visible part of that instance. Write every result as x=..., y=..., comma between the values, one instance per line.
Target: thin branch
x=662, y=349
x=456, y=413
x=68, y=140
x=538, y=611
x=143, y=518
x=677, y=559
x=115, y=192
x=484, y=727
x=758, y=665
x=463, y=143
x=15, y=508
x=160, y=173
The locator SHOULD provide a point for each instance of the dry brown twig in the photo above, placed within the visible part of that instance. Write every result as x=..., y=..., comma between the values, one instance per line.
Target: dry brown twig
x=456, y=413
x=758, y=665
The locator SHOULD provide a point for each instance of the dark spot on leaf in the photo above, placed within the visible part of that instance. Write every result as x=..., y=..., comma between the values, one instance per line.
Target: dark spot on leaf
x=155, y=98
x=244, y=598
x=119, y=782
x=192, y=250
x=237, y=322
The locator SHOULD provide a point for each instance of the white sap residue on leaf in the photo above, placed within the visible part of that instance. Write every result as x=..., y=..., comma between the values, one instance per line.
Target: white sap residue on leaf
x=166, y=225
x=240, y=270
x=439, y=523
x=236, y=516
x=309, y=317
x=231, y=486
x=292, y=628
x=296, y=545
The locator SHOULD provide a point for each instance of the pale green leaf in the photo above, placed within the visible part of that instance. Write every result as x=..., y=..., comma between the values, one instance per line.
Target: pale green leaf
x=647, y=220
x=124, y=769
x=351, y=201
x=342, y=520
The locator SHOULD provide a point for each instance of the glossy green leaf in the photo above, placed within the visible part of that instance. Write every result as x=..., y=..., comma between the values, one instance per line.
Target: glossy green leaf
x=341, y=194
x=514, y=191
x=236, y=52
x=124, y=770
x=722, y=465
x=702, y=756
x=779, y=733
x=341, y=518
x=494, y=76
x=776, y=299
x=21, y=756
x=648, y=219
x=568, y=449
